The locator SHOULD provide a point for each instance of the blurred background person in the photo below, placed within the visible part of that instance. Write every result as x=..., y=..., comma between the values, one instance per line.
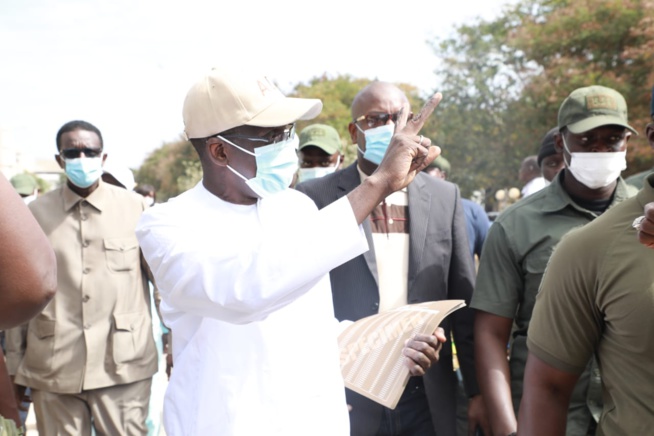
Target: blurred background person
x=320, y=152
x=530, y=175
x=118, y=174
x=550, y=161
x=148, y=192
x=477, y=222
x=26, y=186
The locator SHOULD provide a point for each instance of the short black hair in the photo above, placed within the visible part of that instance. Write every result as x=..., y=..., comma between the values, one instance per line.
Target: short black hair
x=200, y=145
x=71, y=126
x=145, y=190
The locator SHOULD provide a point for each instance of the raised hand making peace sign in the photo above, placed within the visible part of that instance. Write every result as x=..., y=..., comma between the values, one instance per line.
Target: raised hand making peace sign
x=409, y=152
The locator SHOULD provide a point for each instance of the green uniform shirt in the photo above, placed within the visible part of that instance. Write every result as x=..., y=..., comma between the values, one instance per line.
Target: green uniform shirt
x=515, y=253
x=598, y=297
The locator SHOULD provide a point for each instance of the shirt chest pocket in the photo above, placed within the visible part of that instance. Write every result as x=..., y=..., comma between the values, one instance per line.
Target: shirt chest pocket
x=122, y=253
x=534, y=267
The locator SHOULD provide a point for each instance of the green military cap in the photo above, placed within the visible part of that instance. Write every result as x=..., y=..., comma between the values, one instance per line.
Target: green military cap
x=591, y=107
x=441, y=163
x=24, y=184
x=322, y=136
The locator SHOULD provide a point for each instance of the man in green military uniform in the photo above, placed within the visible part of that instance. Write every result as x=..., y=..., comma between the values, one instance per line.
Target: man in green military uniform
x=597, y=297
x=593, y=136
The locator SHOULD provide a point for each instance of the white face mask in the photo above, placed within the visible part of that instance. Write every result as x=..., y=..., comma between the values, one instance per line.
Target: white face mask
x=596, y=170
x=316, y=172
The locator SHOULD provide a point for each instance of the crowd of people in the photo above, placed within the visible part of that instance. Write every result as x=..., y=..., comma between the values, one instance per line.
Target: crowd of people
x=239, y=287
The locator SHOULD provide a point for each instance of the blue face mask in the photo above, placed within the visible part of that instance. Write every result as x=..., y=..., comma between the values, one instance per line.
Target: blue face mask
x=377, y=141
x=83, y=171
x=276, y=166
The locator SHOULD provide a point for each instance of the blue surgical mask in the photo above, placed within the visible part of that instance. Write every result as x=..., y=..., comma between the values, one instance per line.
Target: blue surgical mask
x=276, y=166
x=83, y=171
x=377, y=141
x=316, y=172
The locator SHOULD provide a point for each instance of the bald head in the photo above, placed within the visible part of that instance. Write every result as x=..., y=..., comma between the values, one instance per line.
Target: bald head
x=380, y=103
x=529, y=169
x=378, y=94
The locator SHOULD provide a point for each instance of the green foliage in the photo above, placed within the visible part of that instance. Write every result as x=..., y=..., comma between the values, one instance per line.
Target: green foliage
x=171, y=169
x=480, y=79
x=44, y=185
x=504, y=80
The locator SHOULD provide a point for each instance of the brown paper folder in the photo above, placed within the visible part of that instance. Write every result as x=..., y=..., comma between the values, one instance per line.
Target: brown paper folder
x=372, y=362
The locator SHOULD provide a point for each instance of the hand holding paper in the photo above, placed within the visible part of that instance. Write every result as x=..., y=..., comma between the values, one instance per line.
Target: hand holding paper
x=374, y=350
x=422, y=351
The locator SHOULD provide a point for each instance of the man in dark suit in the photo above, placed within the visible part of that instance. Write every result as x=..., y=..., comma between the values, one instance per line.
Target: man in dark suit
x=419, y=252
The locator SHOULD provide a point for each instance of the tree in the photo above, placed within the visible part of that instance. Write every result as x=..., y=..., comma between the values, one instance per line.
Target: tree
x=171, y=169
x=503, y=80
x=479, y=80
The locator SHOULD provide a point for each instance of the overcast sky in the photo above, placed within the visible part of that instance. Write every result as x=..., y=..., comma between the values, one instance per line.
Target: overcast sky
x=125, y=65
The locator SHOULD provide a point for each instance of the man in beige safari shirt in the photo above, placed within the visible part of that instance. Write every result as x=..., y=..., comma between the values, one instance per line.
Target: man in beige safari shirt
x=89, y=355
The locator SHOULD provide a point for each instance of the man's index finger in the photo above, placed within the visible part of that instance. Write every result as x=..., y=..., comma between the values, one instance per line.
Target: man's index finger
x=415, y=124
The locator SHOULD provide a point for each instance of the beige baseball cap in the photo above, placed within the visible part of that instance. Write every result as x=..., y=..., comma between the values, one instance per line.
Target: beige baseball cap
x=225, y=98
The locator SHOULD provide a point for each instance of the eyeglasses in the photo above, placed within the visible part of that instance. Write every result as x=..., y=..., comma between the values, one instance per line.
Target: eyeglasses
x=379, y=119
x=277, y=134
x=74, y=153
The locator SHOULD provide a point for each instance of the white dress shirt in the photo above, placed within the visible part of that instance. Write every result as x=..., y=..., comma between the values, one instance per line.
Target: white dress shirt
x=247, y=296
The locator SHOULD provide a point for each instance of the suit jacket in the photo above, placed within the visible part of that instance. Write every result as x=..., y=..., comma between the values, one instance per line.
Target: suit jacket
x=440, y=267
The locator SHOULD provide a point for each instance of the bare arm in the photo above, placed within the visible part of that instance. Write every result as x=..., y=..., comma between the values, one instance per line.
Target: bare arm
x=545, y=400
x=28, y=271
x=491, y=337
x=406, y=156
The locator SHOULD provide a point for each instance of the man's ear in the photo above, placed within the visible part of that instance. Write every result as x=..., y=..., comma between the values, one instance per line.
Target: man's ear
x=353, y=132
x=558, y=143
x=649, y=132
x=216, y=153
x=60, y=161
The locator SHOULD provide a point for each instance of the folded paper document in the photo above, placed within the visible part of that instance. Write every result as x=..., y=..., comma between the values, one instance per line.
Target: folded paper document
x=372, y=362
